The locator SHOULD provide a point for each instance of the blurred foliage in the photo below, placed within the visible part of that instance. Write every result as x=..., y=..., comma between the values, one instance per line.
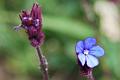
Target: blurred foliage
x=64, y=23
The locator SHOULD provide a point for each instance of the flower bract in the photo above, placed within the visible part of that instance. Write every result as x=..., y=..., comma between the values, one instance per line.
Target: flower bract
x=31, y=22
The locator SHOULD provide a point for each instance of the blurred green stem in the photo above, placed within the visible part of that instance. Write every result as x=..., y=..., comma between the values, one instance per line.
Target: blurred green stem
x=43, y=63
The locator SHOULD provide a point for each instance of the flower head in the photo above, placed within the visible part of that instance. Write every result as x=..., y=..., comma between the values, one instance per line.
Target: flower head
x=87, y=53
x=31, y=22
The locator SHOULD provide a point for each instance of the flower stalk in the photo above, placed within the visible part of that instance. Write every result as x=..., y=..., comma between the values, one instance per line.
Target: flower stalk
x=90, y=76
x=31, y=22
x=87, y=72
x=43, y=63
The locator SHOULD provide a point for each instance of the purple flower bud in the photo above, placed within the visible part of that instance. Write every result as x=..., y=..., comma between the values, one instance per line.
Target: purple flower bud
x=31, y=22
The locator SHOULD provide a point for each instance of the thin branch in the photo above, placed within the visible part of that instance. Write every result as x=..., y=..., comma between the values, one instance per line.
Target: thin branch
x=43, y=63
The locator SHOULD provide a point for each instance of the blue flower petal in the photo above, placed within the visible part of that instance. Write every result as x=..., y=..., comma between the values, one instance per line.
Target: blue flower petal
x=89, y=42
x=82, y=59
x=79, y=47
x=92, y=61
x=97, y=51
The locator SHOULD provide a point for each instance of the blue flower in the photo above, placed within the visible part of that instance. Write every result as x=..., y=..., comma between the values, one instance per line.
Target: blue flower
x=87, y=52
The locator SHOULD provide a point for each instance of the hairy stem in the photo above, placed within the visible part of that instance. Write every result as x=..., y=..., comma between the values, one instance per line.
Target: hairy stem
x=90, y=76
x=43, y=63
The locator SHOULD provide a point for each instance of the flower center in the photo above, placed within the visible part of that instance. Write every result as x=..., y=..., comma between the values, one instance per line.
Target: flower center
x=86, y=52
